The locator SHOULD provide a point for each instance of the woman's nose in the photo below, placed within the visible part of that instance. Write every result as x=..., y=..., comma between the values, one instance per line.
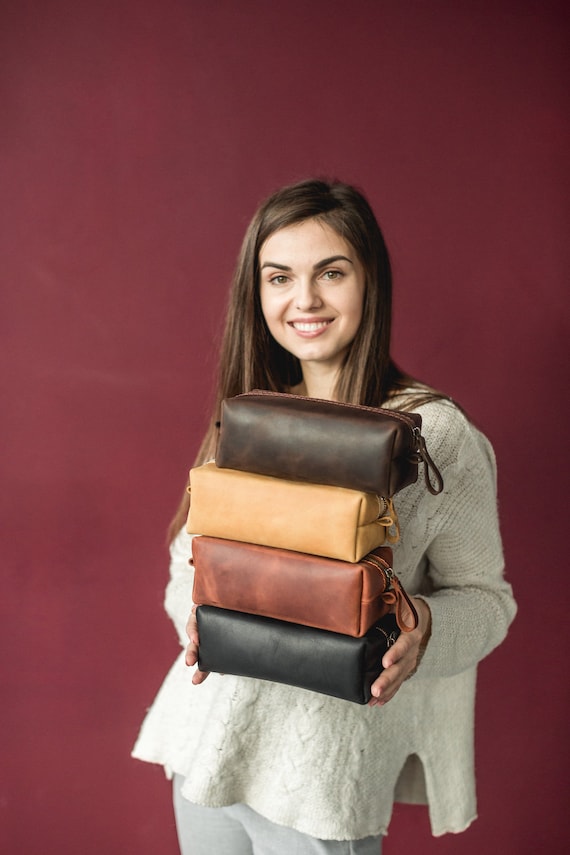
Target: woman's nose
x=307, y=297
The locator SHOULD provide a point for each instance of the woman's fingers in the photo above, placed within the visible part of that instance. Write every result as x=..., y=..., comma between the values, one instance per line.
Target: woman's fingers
x=400, y=664
x=191, y=657
x=401, y=659
x=192, y=627
x=199, y=676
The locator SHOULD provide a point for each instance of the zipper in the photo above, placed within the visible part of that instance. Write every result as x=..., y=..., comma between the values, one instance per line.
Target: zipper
x=394, y=593
x=388, y=519
x=403, y=417
x=381, y=565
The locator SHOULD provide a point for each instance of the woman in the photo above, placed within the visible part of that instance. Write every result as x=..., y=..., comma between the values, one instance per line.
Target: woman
x=269, y=768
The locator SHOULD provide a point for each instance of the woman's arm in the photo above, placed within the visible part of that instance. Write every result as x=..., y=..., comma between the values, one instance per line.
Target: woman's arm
x=178, y=599
x=471, y=607
x=192, y=648
x=178, y=595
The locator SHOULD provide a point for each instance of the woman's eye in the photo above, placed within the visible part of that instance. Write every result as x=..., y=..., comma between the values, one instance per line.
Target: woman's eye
x=331, y=275
x=278, y=280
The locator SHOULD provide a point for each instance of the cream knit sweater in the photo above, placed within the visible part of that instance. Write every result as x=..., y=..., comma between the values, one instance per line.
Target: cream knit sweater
x=327, y=767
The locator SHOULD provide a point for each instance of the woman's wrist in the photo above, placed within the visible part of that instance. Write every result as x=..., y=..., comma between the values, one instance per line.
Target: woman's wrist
x=424, y=612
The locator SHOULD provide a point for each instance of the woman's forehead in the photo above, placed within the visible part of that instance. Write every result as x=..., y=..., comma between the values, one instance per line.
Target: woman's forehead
x=312, y=237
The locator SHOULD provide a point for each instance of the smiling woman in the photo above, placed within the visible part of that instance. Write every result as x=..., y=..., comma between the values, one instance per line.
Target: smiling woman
x=268, y=768
x=312, y=294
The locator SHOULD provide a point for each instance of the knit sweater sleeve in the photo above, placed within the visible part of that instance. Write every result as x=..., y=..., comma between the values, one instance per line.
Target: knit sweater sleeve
x=471, y=603
x=178, y=595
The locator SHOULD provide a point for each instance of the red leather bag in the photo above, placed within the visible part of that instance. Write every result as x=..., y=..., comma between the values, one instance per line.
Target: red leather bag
x=324, y=593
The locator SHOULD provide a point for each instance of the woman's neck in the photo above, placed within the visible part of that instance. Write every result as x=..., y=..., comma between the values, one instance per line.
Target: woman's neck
x=316, y=385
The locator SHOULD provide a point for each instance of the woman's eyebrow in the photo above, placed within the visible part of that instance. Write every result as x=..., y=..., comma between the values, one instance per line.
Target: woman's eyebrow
x=274, y=264
x=316, y=266
x=330, y=260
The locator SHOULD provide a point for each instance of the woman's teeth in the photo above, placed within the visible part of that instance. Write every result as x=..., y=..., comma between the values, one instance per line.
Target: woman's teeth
x=312, y=327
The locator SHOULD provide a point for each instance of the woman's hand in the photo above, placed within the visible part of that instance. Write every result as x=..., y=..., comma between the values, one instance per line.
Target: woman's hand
x=192, y=649
x=401, y=660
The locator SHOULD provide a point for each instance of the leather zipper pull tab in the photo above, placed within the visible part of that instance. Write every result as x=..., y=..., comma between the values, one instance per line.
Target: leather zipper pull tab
x=429, y=466
x=402, y=597
x=394, y=593
x=389, y=519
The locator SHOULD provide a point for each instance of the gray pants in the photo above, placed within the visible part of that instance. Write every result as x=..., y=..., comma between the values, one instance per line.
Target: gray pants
x=239, y=830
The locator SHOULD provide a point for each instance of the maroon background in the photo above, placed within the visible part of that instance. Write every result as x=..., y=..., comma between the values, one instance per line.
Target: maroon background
x=136, y=140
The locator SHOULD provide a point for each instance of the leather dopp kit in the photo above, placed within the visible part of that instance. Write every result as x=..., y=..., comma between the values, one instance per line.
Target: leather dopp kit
x=317, y=518
x=326, y=662
x=293, y=573
x=325, y=442
x=334, y=595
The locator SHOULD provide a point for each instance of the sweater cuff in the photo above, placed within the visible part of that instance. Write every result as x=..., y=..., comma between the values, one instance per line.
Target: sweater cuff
x=423, y=643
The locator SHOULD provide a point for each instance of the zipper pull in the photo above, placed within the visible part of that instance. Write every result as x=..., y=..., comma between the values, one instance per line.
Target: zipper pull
x=394, y=594
x=388, y=518
x=401, y=596
x=423, y=455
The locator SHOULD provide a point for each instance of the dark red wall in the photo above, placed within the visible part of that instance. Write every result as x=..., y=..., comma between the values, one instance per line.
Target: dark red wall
x=137, y=137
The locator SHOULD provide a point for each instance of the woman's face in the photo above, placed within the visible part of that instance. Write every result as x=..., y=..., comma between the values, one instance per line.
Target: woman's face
x=312, y=292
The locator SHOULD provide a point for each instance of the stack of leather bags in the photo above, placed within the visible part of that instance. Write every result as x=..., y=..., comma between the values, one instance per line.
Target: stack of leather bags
x=292, y=562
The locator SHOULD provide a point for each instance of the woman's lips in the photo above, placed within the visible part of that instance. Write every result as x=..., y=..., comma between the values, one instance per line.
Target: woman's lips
x=309, y=328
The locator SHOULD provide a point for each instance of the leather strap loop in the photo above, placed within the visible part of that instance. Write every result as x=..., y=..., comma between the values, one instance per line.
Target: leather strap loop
x=401, y=597
x=429, y=466
x=394, y=594
x=389, y=520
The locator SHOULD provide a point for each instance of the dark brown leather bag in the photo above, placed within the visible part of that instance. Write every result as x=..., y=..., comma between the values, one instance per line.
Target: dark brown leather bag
x=324, y=593
x=325, y=442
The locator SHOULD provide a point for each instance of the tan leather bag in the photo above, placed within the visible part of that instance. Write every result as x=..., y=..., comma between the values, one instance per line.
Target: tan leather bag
x=334, y=522
x=321, y=592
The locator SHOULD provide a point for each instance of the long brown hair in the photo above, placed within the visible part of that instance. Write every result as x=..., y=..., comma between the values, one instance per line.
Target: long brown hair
x=250, y=358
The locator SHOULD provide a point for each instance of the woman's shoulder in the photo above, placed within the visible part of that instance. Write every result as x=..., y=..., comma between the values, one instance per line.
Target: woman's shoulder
x=443, y=417
x=450, y=435
x=454, y=442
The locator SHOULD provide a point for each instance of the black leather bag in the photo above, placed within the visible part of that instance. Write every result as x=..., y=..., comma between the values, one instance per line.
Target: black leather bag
x=315, y=659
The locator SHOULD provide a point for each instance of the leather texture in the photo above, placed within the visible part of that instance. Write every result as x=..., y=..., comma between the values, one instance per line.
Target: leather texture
x=333, y=522
x=325, y=662
x=325, y=442
x=293, y=586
